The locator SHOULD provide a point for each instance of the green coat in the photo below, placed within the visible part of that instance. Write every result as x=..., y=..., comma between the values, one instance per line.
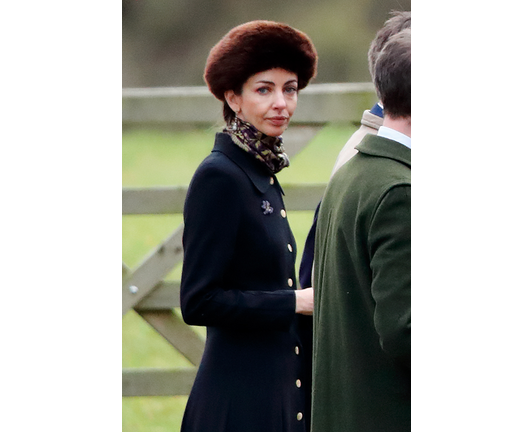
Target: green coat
x=361, y=360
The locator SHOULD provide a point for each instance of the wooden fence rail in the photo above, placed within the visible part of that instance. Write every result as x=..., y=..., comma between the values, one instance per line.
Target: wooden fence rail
x=318, y=104
x=168, y=200
x=144, y=289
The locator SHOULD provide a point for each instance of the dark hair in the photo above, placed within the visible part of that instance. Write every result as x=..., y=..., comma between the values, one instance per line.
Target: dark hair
x=399, y=21
x=393, y=75
x=255, y=47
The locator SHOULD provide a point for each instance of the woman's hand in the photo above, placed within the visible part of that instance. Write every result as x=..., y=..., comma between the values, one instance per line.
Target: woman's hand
x=305, y=301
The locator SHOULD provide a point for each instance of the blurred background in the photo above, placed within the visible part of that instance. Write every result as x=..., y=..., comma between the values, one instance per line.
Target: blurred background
x=166, y=42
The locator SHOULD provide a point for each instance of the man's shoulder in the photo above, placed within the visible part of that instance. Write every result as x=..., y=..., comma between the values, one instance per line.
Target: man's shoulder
x=385, y=149
x=349, y=149
x=365, y=179
x=371, y=120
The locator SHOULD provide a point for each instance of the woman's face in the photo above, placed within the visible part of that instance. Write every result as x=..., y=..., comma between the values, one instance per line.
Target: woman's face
x=268, y=100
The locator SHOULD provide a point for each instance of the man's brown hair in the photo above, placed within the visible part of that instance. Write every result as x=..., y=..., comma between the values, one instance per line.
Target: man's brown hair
x=393, y=75
x=399, y=21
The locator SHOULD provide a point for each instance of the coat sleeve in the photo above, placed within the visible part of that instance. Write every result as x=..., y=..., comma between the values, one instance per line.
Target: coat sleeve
x=390, y=249
x=212, y=214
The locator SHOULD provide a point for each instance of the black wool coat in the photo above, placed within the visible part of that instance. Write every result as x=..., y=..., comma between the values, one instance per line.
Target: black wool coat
x=239, y=280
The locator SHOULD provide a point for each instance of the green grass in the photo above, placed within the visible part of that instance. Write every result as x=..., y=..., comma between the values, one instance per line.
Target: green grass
x=167, y=158
x=162, y=158
x=152, y=414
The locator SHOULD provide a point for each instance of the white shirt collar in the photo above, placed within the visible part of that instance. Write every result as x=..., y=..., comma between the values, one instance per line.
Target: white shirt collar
x=392, y=134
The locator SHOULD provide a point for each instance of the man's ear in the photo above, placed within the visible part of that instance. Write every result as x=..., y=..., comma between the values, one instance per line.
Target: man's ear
x=233, y=100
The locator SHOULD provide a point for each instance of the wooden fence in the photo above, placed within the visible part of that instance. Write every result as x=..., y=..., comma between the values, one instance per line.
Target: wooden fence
x=143, y=288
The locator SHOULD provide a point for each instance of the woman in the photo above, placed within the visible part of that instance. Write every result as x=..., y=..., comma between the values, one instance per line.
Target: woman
x=239, y=275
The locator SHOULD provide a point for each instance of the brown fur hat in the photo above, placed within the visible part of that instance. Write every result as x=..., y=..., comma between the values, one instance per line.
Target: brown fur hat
x=255, y=47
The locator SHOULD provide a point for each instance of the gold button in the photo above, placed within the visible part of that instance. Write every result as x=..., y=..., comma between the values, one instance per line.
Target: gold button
x=283, y=213
x=297, y=350
x=299, y=416
x=290, y=282
x=271, y=180
x=290, y=247
x=298, y=383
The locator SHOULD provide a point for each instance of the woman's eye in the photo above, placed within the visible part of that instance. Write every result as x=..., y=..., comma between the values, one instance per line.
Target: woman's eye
x=263, y=90
x=291, y=90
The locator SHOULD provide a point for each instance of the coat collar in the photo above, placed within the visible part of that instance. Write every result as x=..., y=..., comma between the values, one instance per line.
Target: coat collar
x=257, y=172
x=375, y=145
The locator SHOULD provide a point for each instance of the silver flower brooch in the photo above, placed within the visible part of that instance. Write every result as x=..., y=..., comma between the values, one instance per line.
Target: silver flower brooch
x=268, y=209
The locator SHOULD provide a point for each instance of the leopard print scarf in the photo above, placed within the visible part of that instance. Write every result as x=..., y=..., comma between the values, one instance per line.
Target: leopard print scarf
x=267, y=149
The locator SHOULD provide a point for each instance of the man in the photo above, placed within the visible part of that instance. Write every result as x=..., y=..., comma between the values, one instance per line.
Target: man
x=361, y=359
x=370, y=123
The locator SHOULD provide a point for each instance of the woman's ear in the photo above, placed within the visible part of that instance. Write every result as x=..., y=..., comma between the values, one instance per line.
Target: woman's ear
x=233, y=100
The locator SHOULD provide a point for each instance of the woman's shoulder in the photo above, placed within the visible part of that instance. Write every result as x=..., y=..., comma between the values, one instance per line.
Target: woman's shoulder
x=218, y=172
x=218, y=164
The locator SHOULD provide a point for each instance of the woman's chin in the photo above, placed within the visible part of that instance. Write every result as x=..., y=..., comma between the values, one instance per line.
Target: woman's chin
x=274, y=131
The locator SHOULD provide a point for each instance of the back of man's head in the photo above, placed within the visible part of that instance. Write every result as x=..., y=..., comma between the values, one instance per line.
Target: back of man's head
x=399, y=21
x=392, y=75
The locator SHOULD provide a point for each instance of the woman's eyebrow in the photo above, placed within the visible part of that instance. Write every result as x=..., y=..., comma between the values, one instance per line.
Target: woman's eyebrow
x=272, y=83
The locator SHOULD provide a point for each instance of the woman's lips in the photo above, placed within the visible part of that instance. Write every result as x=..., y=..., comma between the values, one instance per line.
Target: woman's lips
x=278, y=120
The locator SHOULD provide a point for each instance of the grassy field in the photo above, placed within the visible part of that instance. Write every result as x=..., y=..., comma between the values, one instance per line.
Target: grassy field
x=165, y=158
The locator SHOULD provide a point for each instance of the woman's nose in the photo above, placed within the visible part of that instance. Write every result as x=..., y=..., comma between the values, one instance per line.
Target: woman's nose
x=280, y=101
